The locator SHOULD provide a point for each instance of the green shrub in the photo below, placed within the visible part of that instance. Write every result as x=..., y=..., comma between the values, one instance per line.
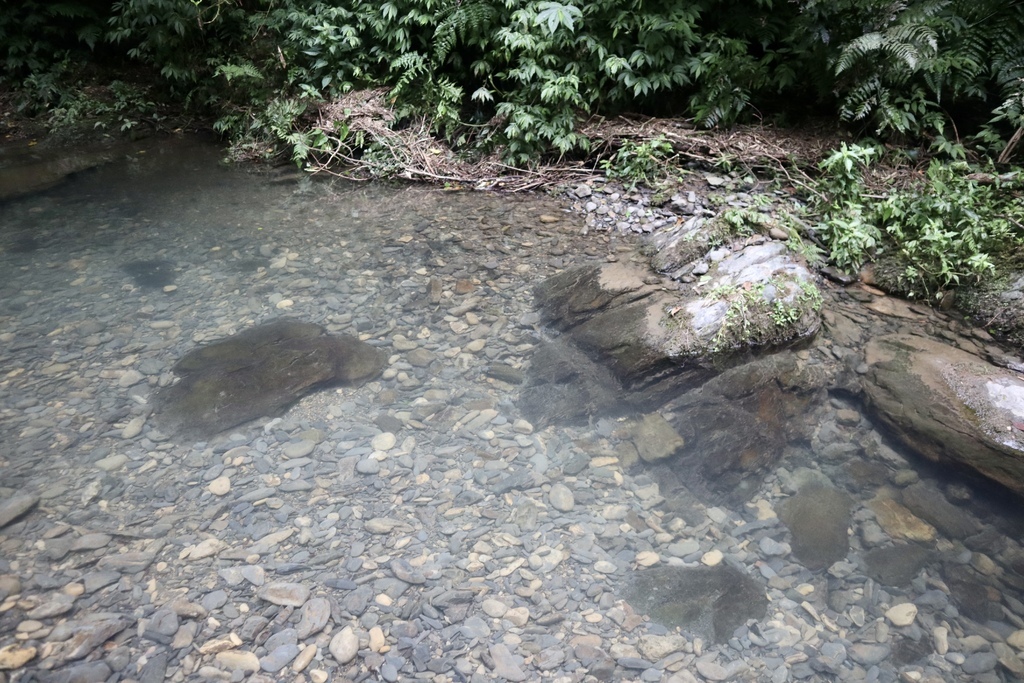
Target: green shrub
x=945, y=228
x=521, y=74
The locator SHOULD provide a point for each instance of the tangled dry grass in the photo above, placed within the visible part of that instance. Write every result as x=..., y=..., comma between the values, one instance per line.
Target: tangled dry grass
x=363, y=120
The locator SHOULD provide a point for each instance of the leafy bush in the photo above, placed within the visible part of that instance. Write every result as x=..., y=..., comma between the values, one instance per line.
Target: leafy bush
x=639, y=162
x=944, y=229
x=520, y=74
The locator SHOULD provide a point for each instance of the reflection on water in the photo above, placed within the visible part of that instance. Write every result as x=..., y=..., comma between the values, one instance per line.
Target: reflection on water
x=108, y=280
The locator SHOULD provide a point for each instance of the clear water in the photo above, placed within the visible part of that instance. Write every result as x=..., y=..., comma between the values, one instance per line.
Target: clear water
x=131, y=265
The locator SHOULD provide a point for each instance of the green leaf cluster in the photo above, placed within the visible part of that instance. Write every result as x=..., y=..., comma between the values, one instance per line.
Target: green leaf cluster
x=944, y=229
x=520, y=74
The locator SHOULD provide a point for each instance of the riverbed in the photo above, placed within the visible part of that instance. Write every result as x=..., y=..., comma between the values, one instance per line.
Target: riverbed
x=418, y=527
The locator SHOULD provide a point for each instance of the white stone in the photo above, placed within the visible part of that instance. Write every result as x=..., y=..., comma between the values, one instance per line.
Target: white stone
x=902, y=614
x=521, y=426
x=647, y=558
x=518, y=616
x=384, y=441
x=15, y=656
x=238, y=660
x=1016, y=640
x=219, y=486
x=654, y=647
x=940, y=634
x=712, y=557
x=133, y=428
x=561, y=497
x=604, y=567
x=344, y=645
x=377, y=640
x=206, y=548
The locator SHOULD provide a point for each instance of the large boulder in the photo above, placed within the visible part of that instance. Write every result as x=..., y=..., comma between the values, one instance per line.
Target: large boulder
x=949, y=405
x=259, y=373
x=654, y=337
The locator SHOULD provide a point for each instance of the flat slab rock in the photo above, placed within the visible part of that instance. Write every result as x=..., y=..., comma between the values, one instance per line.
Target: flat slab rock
x=259, y=373
x=949, y=405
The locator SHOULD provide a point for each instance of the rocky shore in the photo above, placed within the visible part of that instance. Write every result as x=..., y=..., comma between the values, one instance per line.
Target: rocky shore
x=420, y=526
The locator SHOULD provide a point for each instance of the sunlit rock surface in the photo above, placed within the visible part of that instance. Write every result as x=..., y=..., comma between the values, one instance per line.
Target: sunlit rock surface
x=630, y=337
x=949, y=405
x=259, y=373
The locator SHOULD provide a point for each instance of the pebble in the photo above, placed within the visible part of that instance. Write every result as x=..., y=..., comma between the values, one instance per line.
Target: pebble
x=344, y=645
x=384, y=442
x=313, y=617
x=561, y=498
x=494, y=608
x=284, y=593
x=16, y=656
x=1016, y=639
x=133, y=428
x=368, y=466
x=112, y=463
x=298, y=449
x=304, y=658
x=902, y=614
x=505, y=665
x=980, y=662
x=712, y=558
x=421, y=508
x=647, y=558
x=15, y=506
x=240, y=660
x=280, y=657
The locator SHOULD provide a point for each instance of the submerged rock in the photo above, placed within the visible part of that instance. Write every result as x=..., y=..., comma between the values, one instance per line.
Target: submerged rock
x=735, y=428
x=710, y=601
x=896, y=565
x=949, y=405
x=259, y=373
x=631, y=338
x=818, y=518
x=150, y=274
x=28, y=172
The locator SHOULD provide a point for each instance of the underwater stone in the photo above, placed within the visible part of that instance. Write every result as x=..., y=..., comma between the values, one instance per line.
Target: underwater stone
x=818, y=518
x=710, y=601
x=259, y=373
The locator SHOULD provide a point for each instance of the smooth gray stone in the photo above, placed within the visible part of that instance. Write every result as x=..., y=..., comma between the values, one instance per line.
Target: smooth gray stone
x=91, y=672
x=279, y=658
x=16, y=506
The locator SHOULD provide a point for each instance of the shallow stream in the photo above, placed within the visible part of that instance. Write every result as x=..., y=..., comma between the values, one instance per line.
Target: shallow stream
x=417, y=527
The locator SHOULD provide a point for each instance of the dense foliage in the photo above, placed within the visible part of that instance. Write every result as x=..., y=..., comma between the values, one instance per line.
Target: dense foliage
x=945, y=227
x=520, y=73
